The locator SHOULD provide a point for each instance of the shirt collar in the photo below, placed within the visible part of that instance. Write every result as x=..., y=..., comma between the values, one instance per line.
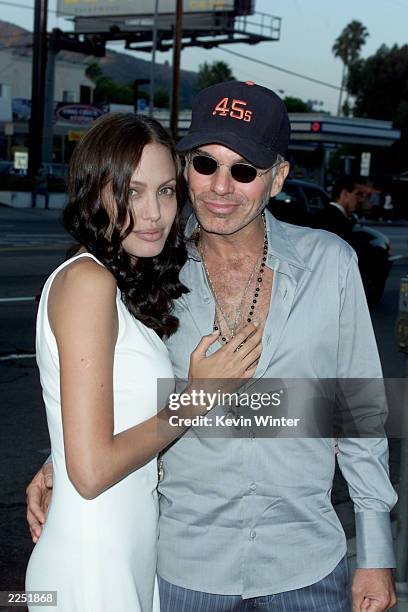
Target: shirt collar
x=191, y=225
x=340, y=207
x=279, y=245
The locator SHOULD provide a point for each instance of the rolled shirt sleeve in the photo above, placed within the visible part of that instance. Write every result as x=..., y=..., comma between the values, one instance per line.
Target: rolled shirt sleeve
x=364, y=461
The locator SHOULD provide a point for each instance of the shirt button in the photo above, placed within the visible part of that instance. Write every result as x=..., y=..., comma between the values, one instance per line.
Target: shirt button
x=252, y=534
x=252, y=487
x=160, y=470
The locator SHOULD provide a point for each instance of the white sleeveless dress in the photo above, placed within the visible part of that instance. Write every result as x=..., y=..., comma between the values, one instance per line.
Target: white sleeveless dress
x=100, y=554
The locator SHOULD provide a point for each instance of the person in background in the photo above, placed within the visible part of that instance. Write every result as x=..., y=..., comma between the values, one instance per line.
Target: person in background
x=337, y=217
x=375, y=203
x=388, y=208
x=40, y=188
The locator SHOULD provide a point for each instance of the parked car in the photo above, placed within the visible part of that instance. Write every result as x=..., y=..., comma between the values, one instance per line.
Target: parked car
x=300, y=201
x=5, y=167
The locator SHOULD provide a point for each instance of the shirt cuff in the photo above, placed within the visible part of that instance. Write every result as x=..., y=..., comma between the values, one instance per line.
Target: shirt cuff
x=374, y=540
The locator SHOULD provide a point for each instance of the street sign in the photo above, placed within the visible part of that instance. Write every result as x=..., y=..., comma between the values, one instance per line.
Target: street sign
x=83, y=114
x=75, y=135
x=21, y=160
x=141, y=105
x=365, y=164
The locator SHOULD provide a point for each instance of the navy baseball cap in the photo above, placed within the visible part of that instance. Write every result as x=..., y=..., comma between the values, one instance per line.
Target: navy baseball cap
x=245, y=117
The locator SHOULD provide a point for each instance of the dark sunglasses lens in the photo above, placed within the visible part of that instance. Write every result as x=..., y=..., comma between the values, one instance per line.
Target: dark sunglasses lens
x=243, y=173
x=204, y=165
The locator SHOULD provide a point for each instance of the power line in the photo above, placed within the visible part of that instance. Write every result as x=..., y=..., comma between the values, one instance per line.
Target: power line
x=301, y=76
x=14, y=4
x=400, y=4
x=235, y=53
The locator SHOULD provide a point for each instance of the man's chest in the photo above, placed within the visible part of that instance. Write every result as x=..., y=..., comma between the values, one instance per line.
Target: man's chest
x=240, y=296
x=300, y=318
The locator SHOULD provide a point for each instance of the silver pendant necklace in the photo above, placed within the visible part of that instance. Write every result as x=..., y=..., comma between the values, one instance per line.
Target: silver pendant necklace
x=232, y=326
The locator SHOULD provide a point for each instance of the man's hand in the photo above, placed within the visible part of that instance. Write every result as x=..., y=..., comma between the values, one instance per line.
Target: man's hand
x=373, y=590
x=39, y=493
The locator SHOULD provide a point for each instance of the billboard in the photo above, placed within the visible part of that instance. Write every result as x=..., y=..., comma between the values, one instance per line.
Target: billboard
x=145, y=8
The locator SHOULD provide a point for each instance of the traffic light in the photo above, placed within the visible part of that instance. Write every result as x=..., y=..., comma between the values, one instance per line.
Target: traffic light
x=316, y=126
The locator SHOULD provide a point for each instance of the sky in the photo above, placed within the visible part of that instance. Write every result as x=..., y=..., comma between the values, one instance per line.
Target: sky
x=308, y=31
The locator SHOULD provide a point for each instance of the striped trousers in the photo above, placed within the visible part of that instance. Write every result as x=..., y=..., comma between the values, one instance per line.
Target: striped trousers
x=331, y=594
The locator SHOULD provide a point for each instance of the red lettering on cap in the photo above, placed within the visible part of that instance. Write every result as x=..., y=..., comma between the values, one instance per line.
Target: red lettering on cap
x=249, y=83
x=236, y=110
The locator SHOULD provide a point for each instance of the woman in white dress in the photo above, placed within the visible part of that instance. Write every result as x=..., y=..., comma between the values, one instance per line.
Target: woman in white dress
x=100, y=322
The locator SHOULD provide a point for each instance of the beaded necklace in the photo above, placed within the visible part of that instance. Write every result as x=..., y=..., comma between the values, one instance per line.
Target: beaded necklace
x=261, y=263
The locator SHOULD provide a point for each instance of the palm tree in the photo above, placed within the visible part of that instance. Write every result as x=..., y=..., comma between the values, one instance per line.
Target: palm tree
x=347, y=47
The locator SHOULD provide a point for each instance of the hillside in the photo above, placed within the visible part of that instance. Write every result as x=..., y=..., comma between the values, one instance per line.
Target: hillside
x=121, y=67
x=118, y=66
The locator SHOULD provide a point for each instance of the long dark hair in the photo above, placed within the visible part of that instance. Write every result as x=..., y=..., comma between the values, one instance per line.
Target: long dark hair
x=108, y=154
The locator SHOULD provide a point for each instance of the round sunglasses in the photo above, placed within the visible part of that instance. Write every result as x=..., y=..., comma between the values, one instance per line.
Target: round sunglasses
x=240, y=172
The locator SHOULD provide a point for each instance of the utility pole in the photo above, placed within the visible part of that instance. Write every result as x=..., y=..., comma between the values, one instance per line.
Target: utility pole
x=38, y=86
x=153, y=61
x=48, y=126
x=178, y=32
x=343, y=82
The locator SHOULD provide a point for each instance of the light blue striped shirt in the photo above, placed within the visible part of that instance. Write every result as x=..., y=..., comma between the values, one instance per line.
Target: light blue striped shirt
x=253, y=516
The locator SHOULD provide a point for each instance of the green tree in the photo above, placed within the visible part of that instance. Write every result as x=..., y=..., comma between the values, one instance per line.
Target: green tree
x=347, y=47
x=296, y=105
x=379, y=84
x=161, y=98
x=93, y=71
x=107, y=90
x=210, y=74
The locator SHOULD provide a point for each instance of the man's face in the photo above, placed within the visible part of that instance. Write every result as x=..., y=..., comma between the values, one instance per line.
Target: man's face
x=223, y=205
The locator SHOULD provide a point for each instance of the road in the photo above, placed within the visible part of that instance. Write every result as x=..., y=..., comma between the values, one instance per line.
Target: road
x=385, y=313
x=32, y=244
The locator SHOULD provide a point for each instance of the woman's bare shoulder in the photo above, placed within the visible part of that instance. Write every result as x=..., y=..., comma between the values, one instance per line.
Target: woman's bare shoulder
x=82, y=284
x=84, y=273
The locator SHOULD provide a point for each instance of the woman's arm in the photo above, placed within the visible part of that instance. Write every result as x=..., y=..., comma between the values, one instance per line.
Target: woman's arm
x=82, y=314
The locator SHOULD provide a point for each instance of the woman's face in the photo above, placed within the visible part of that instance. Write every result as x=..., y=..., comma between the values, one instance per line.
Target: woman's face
x=153, y=202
